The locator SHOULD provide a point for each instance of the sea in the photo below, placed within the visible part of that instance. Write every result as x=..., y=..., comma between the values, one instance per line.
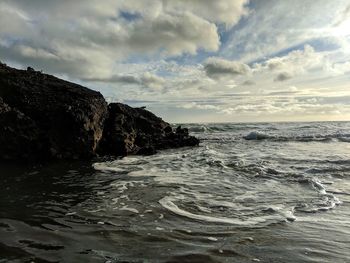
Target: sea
x=251, y=192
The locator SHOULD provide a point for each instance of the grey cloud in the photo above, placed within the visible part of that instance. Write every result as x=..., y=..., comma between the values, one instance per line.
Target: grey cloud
x=249, y=83
x=218, y=68
x=126, y=79
x=42, y=59
x=282, y=93
x=283, y=76
x=274, y=64
x=147, y=80
x=152, y=81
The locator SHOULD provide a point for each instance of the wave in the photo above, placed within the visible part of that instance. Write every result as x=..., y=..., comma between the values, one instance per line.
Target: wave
x=278, y=216
x=326, y=201
x=257, y=136
x=218, y=128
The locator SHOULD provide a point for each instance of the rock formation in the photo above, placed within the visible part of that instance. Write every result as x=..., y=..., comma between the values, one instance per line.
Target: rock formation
x=43, y=117
x=138, y=131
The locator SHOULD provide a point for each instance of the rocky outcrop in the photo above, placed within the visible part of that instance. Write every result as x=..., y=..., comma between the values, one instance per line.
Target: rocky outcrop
x=137, y=131
x=43, y=117
x=19, y=135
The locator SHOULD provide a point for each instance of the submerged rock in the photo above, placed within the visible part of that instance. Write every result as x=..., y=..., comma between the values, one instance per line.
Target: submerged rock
x=43, y=117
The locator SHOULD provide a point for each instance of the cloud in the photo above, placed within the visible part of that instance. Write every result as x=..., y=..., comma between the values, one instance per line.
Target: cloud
x=301, y=62
x=248, y=83
x=227, y=12
x=157, y=51
x=286, y=107
x=217, y=68
x=117, y=78
x=199, y=106
x=283, y=76
x=87, y=38
x=152, y=81
x=146, y=80
x=337, y=69
x=344, y=15
x=275, y=26
x=173, y=35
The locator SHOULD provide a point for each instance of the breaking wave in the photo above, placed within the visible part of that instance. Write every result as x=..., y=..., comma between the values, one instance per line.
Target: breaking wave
x=298, y=138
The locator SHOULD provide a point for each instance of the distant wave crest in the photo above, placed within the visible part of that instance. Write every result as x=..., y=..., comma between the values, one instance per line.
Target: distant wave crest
x=301, y=138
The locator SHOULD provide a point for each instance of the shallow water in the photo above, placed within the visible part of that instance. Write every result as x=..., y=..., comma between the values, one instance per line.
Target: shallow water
x=282, y=196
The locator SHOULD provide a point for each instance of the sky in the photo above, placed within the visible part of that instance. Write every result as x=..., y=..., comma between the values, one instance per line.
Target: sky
x=192, y=60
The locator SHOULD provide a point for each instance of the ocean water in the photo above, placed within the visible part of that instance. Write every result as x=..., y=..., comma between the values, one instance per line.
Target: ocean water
x=249, y=193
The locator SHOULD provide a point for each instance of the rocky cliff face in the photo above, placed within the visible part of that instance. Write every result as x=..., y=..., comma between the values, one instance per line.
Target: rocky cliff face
x=48, y=117
x=43, y=117
x=19, y=135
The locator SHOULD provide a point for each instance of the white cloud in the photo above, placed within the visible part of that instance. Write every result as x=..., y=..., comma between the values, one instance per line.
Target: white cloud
x=274, y=26
x=301, y=63
x=37, y=53
x=222, y=11
x=87, y=38
x=198, y=106
x=296, y=61
x=337, y=68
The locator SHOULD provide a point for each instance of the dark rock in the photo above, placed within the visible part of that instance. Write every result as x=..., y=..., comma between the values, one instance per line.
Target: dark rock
x=168, y=130
x=137, y=131
x=183, y=131
x=148, y=150
x=45, y=117
x=19, y=135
